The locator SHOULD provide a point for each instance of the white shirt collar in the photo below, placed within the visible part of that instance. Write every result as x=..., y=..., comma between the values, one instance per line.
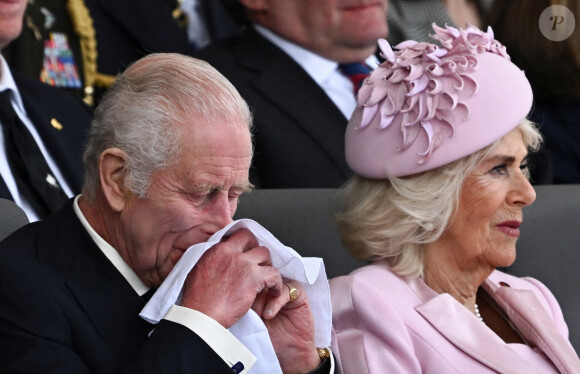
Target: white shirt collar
x=111, y=253
x=7, y=82
x=319, y=68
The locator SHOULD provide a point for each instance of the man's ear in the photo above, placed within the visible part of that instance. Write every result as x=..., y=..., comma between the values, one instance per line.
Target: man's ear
x=112, y=170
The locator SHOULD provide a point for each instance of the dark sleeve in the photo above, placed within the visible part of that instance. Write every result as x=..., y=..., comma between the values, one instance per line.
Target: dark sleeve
x=188, y=353
x=324, y=368
x=34, y=336
x=43, y=330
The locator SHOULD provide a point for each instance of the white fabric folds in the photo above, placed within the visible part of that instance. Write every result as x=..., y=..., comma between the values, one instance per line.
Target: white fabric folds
x=250, y=330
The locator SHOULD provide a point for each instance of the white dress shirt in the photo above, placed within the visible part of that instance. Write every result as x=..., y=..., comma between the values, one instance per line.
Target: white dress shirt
x=197, y=29
x=7, y=83
x=325, y=72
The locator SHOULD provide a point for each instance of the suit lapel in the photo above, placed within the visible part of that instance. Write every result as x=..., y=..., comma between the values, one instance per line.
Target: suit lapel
x=4, y=192
x=466, y=332
x=109, y=301
x=42, y=111
x=524, y=310
x=104, y=295
x=536, y=326
x=284, y=82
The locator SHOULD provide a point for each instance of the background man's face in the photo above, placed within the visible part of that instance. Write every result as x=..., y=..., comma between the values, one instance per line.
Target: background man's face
x=321, y=25
x=11, y=14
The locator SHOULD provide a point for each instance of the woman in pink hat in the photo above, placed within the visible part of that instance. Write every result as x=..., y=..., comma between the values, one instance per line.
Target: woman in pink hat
x=439, y=144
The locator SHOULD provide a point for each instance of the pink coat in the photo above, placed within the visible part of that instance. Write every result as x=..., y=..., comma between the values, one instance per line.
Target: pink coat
x=387, y=324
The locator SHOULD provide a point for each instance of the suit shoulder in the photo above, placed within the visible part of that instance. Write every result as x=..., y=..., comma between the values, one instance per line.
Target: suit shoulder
x=20, y=244
x=248, y=51
x=526, y=283
x=216, y=50
x=364, y=280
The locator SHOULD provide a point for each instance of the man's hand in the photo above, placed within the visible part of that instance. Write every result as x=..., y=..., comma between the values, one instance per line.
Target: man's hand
x=291, y=330
x=227, y=278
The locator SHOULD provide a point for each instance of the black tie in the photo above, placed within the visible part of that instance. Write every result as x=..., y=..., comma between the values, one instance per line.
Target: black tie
x=33, y=177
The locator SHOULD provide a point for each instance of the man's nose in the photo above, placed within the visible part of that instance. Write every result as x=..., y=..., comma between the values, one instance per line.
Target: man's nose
x=221, y=211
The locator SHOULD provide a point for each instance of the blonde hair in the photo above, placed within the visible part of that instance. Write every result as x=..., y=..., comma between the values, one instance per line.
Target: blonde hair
x=393, y=218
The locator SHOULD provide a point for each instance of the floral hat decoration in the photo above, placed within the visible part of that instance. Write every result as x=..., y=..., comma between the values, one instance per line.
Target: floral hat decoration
x=428, y=105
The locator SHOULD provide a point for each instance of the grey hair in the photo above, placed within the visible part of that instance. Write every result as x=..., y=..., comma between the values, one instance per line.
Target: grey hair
x=144, y=112
x=393, y=218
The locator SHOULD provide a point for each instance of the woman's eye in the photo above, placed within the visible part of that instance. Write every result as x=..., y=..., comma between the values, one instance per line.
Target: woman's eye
x=525, y=166
x=499, y=169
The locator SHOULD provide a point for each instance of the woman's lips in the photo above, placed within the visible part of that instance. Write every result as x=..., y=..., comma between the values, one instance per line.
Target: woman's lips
x=511, y=228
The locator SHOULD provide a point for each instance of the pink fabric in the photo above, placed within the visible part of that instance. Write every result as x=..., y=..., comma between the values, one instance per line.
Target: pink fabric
x=386, y=324
x=427, y=106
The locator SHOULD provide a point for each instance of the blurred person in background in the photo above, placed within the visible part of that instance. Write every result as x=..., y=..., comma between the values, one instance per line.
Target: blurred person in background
x=553, y=68
x=291, y=63
x=43, y=131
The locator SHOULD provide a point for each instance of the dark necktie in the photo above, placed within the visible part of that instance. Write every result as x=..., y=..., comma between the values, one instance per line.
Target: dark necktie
x=33, y=177
x=356, y=72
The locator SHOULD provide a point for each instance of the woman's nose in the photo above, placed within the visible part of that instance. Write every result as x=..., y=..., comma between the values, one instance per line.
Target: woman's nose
x=523, y=193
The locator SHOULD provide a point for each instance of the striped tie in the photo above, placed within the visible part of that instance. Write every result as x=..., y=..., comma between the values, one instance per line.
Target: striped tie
x=356, y=72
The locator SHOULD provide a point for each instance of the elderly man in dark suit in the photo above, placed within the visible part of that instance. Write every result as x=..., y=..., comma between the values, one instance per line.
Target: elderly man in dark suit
x=286, y=65
x=167, y=159
x=43, y=132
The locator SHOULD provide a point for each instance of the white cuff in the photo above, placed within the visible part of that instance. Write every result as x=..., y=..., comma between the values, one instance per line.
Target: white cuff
x=226, y=345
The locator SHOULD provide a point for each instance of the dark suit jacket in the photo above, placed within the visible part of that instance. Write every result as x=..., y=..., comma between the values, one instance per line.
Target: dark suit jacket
x=299, y=131
x=560, y=125
x=43, y=103
x=130, y=29
x=66, y=309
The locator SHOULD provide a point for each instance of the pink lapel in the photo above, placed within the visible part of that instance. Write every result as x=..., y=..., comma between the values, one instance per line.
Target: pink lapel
x=533, y=322
x=470, y=335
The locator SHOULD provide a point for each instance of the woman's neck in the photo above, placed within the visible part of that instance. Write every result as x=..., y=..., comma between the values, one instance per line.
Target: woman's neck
x=460, y=278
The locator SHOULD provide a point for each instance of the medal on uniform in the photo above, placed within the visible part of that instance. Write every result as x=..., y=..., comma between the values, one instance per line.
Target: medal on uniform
x=59, y=68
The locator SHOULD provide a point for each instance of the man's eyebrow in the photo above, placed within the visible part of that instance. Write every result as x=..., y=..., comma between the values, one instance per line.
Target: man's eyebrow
x=246, y=187
x=207, y=187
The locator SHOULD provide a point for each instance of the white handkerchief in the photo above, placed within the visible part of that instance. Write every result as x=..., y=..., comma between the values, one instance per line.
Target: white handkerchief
x=250, y=330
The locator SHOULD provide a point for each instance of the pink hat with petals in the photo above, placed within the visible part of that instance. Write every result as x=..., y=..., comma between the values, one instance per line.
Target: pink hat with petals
x=427, y=105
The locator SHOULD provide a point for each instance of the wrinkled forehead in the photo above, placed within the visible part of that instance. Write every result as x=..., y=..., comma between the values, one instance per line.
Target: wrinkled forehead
x=216, y=135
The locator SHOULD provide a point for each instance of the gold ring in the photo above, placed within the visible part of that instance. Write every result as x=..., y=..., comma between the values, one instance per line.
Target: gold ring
x=293, y=292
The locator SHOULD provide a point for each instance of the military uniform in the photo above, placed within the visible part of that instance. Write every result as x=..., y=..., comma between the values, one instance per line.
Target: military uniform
x=81, y=45
x=57, y=46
